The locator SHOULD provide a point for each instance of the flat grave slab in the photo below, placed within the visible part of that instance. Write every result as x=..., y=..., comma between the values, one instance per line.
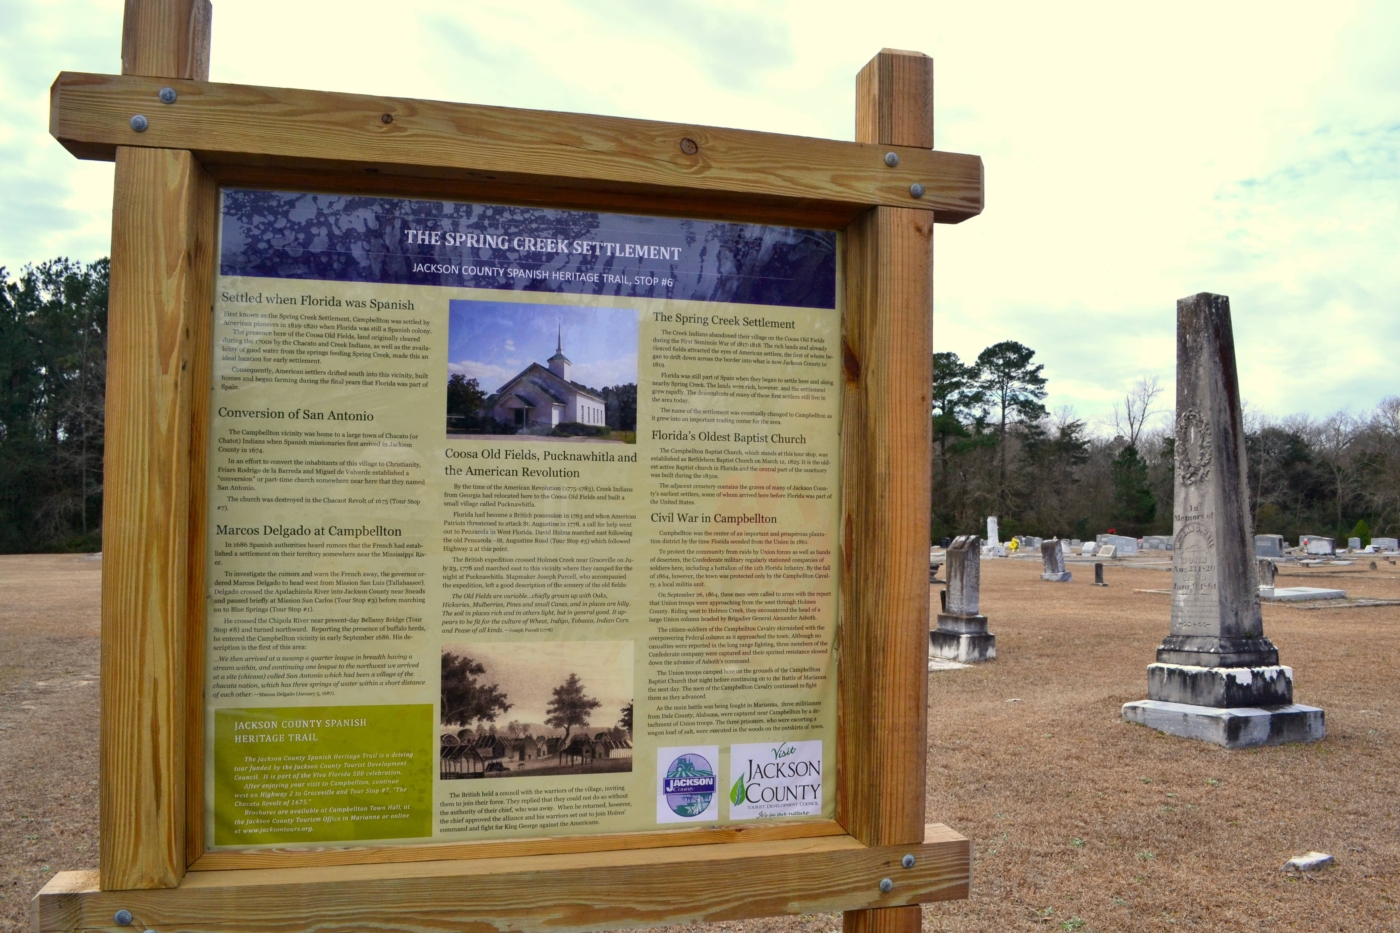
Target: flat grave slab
x=1298, y=594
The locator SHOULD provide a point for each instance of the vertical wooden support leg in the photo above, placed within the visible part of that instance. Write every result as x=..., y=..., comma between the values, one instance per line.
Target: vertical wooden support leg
x=163, y=217
x=887, y=334
x=162, y=266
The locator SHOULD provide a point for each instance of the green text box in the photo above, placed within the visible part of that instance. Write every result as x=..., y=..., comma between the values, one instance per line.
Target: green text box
x=323, y=774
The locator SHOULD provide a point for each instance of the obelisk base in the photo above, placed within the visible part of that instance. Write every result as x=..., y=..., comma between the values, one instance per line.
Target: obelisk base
x=1062, y=577
x=1235, y=727
x=1220, y=687
x=964, y=639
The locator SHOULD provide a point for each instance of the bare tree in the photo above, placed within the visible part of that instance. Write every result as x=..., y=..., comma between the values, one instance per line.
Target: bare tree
x=1139, y=406
x=1335, y=436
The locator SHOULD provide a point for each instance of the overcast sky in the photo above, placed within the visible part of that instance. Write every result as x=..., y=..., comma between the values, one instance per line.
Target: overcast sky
x=1134, y=153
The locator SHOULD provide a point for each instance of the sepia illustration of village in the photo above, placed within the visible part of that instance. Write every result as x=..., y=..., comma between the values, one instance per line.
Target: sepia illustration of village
x=531, y=710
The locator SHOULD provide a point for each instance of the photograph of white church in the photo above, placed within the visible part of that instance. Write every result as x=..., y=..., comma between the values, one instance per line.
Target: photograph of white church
x=546, y=396
x=550, y=371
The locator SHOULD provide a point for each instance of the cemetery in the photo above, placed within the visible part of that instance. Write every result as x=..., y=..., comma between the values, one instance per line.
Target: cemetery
x=1072, y=812
x=642, y=639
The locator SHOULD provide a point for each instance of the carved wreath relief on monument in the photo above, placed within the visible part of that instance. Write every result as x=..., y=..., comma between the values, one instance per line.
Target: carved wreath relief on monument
x=1193, y=447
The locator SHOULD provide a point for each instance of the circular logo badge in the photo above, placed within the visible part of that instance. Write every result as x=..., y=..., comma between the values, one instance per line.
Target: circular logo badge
x=689, y=785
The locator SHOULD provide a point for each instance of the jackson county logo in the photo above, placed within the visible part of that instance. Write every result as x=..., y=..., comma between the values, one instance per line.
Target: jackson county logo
x=771, y=779
x=689, y=785
x=1193, y=444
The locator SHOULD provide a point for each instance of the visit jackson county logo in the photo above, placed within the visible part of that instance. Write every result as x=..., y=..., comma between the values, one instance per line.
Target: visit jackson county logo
x=770, y=779
x=688, y=784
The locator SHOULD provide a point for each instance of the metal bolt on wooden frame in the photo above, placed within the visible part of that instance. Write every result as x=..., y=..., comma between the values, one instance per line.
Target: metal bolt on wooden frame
x=152, y=848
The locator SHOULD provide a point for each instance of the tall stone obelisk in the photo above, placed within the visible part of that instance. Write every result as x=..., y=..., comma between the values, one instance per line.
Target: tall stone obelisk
x=1217, y=677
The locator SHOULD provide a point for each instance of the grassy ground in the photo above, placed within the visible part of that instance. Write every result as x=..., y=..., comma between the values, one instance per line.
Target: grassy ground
x=1078, y=821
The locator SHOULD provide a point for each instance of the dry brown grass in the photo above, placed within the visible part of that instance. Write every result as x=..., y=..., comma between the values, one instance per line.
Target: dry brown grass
x=1078, y=821
x=48, y=723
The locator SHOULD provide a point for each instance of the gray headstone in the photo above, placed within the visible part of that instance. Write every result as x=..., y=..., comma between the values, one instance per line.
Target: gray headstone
x=1269, y=545
x=1216, y=619
x=1098, y=575
x=1386, y=544
x=1353, y=544
x=1052, y=557
x=1267, y=569
x=961, y=633
x=1156, y=543
x=964, y=575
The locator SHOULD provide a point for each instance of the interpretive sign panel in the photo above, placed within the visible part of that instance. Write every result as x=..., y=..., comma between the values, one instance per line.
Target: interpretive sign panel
x=521, y=522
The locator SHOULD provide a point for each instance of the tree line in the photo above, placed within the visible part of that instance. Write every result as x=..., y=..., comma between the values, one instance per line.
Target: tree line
x=53, y=377
x=999, y=451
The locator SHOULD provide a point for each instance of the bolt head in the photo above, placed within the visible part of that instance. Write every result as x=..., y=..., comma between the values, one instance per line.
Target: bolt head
x=122, y=917
x=892, y=159
x=886, y=885
x=386, y=118
x=167, y=95
x=139, y=123
x=689, y=146
x=907, y=861
x=916, y=190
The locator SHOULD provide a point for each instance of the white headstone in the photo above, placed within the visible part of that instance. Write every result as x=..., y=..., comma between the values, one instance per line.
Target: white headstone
x=1123, y=543
x=992, y=539
x=1317, y=545
x=1108, y=550
x=1088, y=548
x=1386, y=544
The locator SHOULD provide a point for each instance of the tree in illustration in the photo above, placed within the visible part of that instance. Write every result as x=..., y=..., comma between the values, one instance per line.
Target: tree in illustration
x=465, y=399
x=465, y=699
x=570, y=707
x=626, y=721
x=621, y=403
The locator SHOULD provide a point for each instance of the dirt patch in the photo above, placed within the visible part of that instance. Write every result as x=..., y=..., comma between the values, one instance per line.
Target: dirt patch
x=48, y=723
x=1078, y=821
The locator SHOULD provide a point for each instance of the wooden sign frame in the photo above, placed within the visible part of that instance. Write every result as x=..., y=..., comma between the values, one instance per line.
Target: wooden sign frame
x=152, y=848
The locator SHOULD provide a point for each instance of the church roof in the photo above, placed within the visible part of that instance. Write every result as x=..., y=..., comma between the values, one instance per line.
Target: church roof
x=547, y=382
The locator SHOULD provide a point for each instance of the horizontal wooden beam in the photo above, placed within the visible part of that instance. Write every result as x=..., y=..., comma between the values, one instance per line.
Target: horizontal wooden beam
x=532, y=894
x=724, y=834
x=275, y=136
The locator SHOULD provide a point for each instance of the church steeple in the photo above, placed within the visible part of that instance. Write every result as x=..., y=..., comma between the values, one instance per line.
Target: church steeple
x=559, y=363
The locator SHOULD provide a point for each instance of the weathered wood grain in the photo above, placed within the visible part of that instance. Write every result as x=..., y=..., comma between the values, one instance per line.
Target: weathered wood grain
x=887, y=337
x=200, y=355
x=555, y=893
x=297, y=130
x=229, y=859
x=162, y=268
x=167, y=38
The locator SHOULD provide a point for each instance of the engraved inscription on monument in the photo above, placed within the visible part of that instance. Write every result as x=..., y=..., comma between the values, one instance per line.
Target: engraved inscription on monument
x=1195, y=587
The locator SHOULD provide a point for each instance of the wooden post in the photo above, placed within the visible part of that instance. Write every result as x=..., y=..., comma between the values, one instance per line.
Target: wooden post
x=887, y=352
x=163, y=233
